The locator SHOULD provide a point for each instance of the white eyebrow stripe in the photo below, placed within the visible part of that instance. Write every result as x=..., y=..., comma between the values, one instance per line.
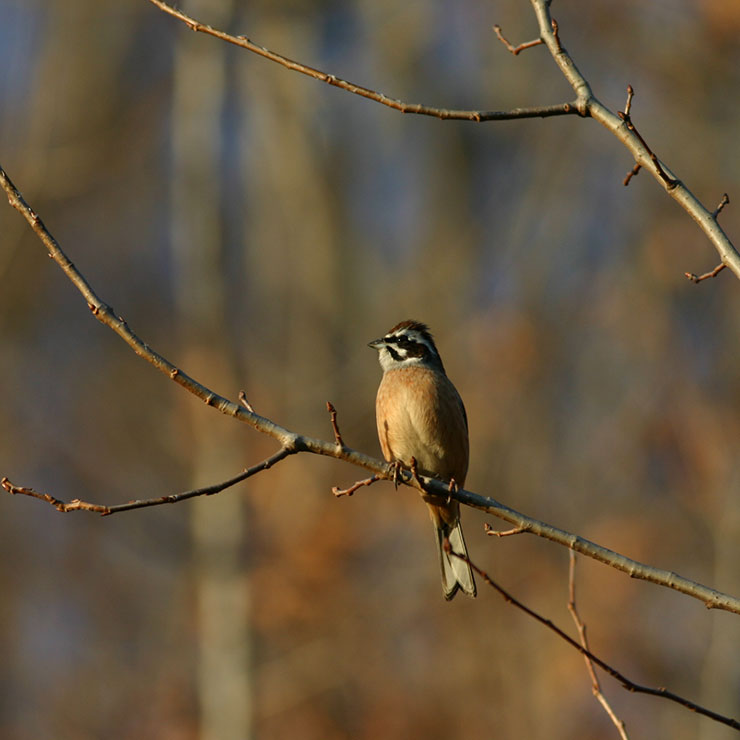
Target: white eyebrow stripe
x=413, y=336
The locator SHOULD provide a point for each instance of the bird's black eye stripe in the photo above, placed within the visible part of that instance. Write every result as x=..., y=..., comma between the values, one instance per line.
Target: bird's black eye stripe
x=392, y=352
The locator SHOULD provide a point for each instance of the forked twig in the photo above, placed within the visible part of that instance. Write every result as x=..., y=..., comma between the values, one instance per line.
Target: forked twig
x=723, y=202
x=515, y=49
x=478, y=116
x=581, y=627
x=585, y=105
x=355, y=486
x=489, y=530
x=78, y=505
x=625, y=116
x=626, y=682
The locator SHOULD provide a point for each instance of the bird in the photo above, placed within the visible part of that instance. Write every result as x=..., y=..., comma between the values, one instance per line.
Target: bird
x=421, y=418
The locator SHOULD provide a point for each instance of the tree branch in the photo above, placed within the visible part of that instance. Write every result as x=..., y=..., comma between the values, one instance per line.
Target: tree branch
x=589, y=105
x=585, y=105
x=563, y=109
x=78, y=505
x=626, y=682
x=291, y=442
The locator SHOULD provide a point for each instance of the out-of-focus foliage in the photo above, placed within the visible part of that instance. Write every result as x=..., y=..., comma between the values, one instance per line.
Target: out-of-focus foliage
x=603, y=389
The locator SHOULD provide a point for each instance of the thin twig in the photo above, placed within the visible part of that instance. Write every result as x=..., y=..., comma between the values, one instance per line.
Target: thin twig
x=670, y=182
x=626, y=682
x=78, y=505
x=333, y=412
x=414, y=108
x=355, y=486
x=634, y=171
x=515, y=49
x=712, y=273
x=725, y=201
x=489, y=530
x=295, y=442
x=581, y=627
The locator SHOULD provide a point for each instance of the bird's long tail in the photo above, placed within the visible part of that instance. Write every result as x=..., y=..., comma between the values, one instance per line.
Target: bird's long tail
x=456, y=573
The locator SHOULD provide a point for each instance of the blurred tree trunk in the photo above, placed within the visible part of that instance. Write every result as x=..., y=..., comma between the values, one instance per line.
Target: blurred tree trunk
x=218, y=531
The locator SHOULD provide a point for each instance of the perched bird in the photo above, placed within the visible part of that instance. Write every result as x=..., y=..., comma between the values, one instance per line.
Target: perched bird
x=420, y=415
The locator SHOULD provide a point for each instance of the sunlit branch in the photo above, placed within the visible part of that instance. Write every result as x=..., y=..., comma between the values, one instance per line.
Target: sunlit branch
x=585, y=105
x=545, y=111
x=292, y=442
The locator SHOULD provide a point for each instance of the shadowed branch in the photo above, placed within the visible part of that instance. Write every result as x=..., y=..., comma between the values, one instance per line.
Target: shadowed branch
x=292, y=442
x=613, y=672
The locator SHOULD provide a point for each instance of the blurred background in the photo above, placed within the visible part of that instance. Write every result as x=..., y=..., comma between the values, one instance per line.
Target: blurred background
x=258, y=228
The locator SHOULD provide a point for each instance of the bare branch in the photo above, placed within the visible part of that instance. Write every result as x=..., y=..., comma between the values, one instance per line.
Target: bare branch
x=478, y=116
x=634, y=171
x=515, y=49
x=77, y=505
x=292, y=442
x=555, y=33
x=585, y=105
x=581, y=627
x=589, y=105
x=625, y=116
x=670, y=182
x=613, y=672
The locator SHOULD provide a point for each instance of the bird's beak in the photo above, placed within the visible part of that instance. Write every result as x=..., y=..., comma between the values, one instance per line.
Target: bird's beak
x=376, y=344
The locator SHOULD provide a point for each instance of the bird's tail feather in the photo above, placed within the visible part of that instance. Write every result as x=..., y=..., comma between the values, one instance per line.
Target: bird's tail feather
x=456, y=573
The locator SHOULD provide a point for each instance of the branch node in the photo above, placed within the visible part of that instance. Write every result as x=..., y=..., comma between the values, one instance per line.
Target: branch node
x=634, y=171
x=555, y=33
x=725, y=201
x=489, y=530
x=669, y=182
x=515, y=49
x=244, y=402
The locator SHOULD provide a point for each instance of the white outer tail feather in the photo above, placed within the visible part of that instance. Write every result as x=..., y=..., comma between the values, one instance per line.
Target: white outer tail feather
x=456, y=573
